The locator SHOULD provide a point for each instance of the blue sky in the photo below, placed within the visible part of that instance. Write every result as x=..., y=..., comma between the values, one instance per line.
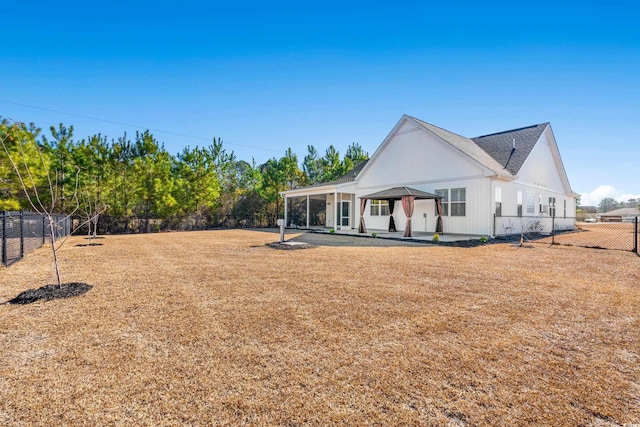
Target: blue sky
x=267, y=76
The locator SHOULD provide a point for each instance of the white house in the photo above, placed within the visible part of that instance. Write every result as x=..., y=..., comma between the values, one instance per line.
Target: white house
x=494, y=184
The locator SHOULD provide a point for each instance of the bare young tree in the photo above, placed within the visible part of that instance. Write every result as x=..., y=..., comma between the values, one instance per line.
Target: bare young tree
x=90, y=210
x=30, y=186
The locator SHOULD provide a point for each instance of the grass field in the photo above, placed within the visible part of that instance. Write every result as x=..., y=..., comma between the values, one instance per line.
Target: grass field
x=608, y=235
x=214, y=328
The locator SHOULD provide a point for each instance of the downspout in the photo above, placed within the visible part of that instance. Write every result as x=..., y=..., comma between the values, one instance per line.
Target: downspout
x=307, y=211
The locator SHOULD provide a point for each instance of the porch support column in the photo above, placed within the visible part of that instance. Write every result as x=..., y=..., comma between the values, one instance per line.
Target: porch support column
x=335, y=210
x=307, y=211
x=285, y=211
x=352, y=214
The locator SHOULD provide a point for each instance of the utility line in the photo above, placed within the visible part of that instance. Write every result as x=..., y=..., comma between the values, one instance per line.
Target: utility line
x=134, y=126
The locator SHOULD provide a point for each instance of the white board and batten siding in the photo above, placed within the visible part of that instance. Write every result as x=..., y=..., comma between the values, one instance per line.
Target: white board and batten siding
x=477, y=219
x=418, y=159
x=414, y=155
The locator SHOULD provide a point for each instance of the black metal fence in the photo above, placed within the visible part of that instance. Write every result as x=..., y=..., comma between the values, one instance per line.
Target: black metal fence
x=567, y=231
x=22, y=232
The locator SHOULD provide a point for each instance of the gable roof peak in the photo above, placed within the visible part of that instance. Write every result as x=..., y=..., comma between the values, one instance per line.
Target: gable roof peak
x=466, y=146
x=512, y=130
x=500, y=145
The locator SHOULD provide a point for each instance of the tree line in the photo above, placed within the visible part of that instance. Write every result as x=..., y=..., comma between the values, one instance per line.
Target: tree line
x=608, y=204
x=138, y=186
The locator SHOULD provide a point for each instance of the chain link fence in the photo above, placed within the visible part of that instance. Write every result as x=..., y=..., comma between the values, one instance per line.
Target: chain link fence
x=623, y=236
x=23, y=232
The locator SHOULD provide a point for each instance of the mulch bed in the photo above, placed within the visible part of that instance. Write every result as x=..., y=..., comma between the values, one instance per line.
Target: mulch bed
x=515, y=239
x=89, y=244
x=290, y=246
x=50, y=292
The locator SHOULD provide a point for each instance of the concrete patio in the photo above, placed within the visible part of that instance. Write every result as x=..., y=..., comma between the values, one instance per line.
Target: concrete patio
x=416, y=236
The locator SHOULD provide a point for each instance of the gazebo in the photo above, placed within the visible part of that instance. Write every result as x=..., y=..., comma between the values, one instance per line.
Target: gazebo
x=407, y=195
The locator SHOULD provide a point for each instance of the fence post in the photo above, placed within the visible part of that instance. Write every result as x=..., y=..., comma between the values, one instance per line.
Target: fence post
x=635, y=235
x=21, y=234
x=4, y=237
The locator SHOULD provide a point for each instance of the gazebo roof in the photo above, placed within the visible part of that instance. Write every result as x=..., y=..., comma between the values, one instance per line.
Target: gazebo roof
x=396, y=193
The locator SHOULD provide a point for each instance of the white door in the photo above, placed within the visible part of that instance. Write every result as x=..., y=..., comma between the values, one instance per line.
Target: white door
x=345, y=214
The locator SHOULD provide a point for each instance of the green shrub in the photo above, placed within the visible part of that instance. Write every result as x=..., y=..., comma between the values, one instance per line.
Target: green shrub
x=436, y=238
x=332, y=230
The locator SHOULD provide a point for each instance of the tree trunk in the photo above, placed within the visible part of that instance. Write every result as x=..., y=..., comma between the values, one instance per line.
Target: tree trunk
x=52, y=239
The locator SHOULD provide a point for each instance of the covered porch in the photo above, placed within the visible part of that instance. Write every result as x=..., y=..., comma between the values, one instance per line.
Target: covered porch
x=326, y=208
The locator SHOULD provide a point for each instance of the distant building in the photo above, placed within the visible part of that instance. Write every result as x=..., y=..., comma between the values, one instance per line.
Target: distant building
x=621, y=215
x=586, y=212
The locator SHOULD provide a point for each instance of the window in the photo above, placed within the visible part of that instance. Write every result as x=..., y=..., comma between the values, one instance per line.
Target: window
x=540, y=205
x=445, y=201
x=498, y=201
x=531, y=203
x=519, y=203
x=458, y=201
x=379, y=207
x=565, y=208
x=552, y=206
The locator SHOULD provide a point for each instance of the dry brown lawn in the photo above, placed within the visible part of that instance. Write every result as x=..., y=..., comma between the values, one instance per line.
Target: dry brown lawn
x=214, y=328
x=609, y=235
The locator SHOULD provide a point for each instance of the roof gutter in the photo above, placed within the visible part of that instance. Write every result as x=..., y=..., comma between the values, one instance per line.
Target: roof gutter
x=506, y=178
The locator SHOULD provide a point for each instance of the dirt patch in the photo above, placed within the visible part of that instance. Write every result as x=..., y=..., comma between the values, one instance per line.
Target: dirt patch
x=50, y=292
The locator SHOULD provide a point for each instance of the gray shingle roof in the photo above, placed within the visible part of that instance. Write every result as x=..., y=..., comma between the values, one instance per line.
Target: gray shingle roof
x=500, y=145
x=623, y=211
x=351, y=175
x=398, y=192
x=347, y=177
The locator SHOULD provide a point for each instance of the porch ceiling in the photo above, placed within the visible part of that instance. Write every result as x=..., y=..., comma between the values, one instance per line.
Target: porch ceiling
x=322, y=196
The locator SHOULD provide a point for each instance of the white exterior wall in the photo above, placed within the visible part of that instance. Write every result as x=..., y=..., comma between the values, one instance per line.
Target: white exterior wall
x=540, y=169
x=330, y=211
x=510, y=223
x=476, y=221
x=538, y=176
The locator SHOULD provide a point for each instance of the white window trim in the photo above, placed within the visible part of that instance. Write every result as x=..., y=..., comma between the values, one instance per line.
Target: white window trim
x=380, y=204
x=458, y=202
